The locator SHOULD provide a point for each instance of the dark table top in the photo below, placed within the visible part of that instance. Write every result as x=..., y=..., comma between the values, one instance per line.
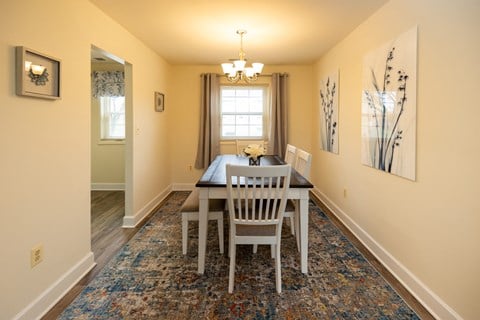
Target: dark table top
x=215, y=176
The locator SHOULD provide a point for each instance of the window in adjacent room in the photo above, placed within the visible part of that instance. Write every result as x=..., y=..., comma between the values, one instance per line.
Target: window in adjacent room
x=243, y=112
x=112, y=115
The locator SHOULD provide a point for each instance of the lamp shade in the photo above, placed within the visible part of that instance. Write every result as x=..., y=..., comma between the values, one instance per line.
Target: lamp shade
x=227, y=67
x=249, y=72
x=257, y=67
x=239, y=64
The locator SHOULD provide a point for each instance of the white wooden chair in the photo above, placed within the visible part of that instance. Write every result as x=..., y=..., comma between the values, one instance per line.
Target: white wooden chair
x=256, y=198
x=290, y=154
x=190, y=210
x=242, y=144
x=303, y=162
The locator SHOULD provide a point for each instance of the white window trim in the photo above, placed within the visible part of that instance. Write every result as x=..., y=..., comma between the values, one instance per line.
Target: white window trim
x=266, y=111
x=110, y=141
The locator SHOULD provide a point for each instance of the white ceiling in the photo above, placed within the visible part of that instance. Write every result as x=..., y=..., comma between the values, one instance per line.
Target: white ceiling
x=204, y=31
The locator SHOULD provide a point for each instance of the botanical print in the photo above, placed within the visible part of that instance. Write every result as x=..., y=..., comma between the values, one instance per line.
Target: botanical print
x=329, y=113
x=389, y=106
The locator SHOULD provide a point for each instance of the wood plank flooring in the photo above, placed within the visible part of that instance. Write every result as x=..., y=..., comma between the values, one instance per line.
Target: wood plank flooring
x=108, y=237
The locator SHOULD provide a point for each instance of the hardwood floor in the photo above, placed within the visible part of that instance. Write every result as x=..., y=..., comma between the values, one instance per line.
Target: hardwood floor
x=108, y=237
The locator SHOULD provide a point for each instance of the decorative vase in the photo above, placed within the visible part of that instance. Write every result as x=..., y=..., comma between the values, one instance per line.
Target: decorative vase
x=253, y=162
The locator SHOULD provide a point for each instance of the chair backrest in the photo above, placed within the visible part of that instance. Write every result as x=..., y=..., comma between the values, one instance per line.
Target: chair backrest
x=257, y=195
x=242, y=144
x=303, y=162
x=290, y=154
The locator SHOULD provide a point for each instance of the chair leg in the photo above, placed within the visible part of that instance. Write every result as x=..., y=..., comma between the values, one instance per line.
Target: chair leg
x=297, y=227
x=255, y=248
x=220, y=234
x=230, y=241
x=278, y=269
x=231, y=275
x=292, y=226
x=184, y=232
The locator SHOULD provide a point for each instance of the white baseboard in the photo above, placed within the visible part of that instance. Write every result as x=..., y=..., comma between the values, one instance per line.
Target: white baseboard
x=434, y=304
x=133, y=221
x=43, y=303
x=108, y=186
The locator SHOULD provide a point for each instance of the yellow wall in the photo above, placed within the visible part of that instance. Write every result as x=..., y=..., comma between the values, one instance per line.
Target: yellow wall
x=184, y=103
x=45, y=147
x=430, y=227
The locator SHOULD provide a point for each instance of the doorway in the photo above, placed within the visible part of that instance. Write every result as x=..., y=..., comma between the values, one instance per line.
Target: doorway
x=111, y=147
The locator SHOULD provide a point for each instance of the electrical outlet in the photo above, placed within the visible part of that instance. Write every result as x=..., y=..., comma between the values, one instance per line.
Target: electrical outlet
x=190, y=168
x=36, y=255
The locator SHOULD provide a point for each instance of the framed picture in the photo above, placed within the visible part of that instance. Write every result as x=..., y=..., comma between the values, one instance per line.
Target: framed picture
x=389, y=106
x=159, y=102
x=38, y=75
x=329, y=127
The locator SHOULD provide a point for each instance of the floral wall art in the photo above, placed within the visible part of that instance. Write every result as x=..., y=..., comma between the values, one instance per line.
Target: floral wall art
x=389, y=106
x=329, y=113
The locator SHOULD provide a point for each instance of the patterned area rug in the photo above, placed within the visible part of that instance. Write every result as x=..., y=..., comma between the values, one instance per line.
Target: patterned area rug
x=150, y=278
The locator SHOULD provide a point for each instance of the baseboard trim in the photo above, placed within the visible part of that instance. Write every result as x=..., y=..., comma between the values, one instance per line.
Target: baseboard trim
x=434, y=304
x=43, y=303
x=107, y=186
x=133, y=221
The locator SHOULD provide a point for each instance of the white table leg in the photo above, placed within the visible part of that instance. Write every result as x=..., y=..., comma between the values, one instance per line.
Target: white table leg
x=202, y=228
x=304, y=233
x=297, y=224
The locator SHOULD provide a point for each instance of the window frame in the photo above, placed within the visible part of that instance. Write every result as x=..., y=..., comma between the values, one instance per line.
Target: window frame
x=265, y=113
x=105, y=137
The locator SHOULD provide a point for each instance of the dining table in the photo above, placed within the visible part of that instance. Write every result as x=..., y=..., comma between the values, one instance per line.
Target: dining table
x=213, y=185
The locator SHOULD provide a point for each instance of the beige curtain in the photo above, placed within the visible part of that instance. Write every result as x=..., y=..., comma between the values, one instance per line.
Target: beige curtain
x=208, y=138
x=279, y=123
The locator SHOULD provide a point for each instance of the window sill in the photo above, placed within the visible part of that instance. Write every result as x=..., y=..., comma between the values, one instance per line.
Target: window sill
x=105, y=142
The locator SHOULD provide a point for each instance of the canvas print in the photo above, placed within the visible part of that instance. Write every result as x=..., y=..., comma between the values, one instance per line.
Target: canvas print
x=329, y=113
x=389, y=106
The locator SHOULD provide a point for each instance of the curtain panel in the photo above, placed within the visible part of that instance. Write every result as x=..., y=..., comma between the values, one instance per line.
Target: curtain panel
x=209, y=135
x=279, y=116
x=108, y=84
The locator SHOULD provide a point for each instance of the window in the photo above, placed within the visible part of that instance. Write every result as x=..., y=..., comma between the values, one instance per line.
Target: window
x=243, y=111
x=112, y=117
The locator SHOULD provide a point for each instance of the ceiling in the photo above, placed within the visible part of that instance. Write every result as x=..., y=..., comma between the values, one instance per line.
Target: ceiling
x=204, y=31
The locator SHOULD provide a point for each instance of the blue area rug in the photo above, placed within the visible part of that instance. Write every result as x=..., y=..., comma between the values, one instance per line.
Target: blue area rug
x=150, y=278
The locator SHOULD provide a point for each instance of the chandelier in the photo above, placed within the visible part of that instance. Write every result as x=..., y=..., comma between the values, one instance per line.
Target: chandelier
x=237, y=71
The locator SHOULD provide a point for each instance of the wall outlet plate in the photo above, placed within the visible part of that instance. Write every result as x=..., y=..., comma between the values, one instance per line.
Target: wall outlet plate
x=36, y=255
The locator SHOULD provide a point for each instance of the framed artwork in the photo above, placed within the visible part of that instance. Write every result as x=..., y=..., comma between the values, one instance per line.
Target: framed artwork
x=389, y=106
x=159, y=102
x=38, y=75
x=329, y=113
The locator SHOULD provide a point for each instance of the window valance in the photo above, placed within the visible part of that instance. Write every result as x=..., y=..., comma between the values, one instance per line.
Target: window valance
x=108, y=84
